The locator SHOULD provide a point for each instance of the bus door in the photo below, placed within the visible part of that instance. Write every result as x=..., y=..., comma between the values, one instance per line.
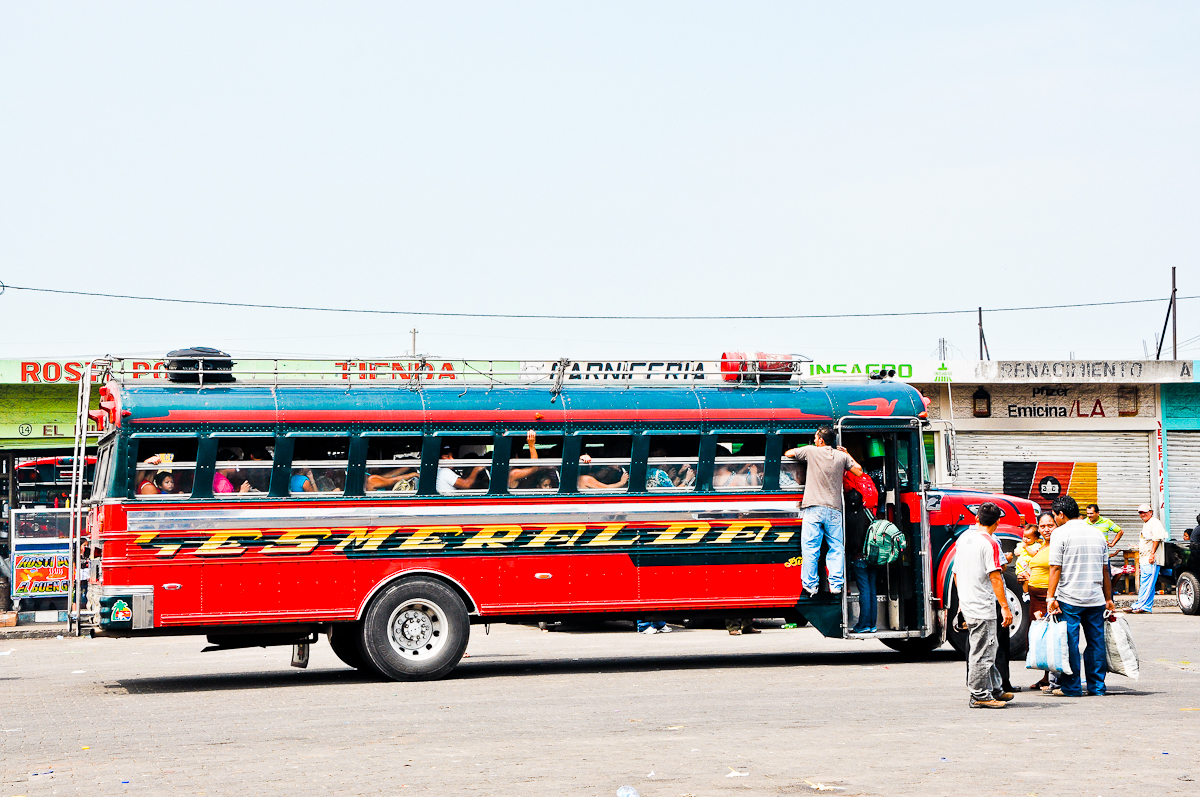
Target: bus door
x=895, y=461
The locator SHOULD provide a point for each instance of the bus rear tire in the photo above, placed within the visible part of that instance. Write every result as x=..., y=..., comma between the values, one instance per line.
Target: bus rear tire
x=415, y=630
x=344, y=638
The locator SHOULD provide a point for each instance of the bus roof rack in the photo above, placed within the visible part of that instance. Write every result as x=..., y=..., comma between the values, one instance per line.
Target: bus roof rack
x=199, y=368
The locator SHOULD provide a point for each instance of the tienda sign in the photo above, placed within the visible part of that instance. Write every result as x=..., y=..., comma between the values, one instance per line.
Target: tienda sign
x=51, y=372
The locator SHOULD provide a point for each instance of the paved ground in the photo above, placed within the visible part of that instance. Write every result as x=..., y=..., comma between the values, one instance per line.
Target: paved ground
x=534, y=713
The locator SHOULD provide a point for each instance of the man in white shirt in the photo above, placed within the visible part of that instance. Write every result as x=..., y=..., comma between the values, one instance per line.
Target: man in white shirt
x=979, y=578
x=448, y=480
x=1152, y=554
x=1080, y=589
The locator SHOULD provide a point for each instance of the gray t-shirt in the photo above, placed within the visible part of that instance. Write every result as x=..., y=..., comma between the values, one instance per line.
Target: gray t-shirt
x=823, y=484
x=1082, y=553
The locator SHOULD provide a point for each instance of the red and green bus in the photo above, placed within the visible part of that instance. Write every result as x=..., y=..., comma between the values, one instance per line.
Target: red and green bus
x=394, y=516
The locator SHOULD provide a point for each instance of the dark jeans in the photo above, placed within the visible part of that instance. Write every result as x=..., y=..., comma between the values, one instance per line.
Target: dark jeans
x=1091, y=618
x=1002, y=639
x=864, y=576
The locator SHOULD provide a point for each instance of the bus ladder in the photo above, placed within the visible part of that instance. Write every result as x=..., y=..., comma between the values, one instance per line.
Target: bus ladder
x=75, y=612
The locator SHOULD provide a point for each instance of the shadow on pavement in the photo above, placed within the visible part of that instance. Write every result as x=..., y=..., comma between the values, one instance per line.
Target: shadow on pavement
x=517, y=665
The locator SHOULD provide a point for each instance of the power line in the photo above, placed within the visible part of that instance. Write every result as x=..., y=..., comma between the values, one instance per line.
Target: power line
x=574, y=317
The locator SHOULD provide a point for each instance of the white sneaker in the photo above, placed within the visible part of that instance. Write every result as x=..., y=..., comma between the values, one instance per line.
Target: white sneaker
x=835, y=592
x=649, y=630
x=666, y=629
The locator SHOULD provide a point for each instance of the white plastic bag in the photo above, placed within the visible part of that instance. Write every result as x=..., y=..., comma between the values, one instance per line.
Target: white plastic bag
x=1118, y=642
x=1048, y=646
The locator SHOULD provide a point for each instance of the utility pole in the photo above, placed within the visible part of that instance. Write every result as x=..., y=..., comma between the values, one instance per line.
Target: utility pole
x=414, y=334
x=982, y=339
x=1174, y=319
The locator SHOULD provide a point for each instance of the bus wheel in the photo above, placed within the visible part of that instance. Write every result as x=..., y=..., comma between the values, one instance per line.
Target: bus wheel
x=415, y=630
x=344, y=639
x=1187, y=592
x=916, y=648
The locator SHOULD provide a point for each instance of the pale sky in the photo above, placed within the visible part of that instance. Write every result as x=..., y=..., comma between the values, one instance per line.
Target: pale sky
x=603, y=158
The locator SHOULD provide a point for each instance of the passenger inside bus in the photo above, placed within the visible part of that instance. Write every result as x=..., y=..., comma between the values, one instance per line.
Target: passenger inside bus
x=450, y=481
x=525, y=476
x=402, y=479
x=149, y=484
x=258, y=478
x=727, y=475
x=301, y=482
x=656, y=477
x=164, y=482
x=600, y=477
x=221, y=479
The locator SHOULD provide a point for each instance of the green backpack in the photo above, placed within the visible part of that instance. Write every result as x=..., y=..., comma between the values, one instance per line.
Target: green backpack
x=885, y=543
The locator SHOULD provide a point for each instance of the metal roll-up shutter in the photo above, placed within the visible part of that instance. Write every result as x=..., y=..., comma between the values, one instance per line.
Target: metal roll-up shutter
x=1111, y=468
x=1183, y=480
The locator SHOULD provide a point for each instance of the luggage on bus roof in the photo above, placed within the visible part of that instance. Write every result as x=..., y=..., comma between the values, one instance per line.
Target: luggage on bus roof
x=184, y=365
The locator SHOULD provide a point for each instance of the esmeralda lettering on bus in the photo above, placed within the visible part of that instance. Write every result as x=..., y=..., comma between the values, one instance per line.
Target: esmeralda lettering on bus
x=401, y=540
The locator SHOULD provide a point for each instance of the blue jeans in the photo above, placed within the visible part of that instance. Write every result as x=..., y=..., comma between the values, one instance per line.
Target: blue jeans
x=864, y=576
x=1091, y=618
x=642, y=625
x=1145, y=598
x=822, y=523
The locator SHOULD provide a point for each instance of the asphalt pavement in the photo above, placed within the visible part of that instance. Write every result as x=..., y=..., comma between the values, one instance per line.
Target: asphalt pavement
x=695, y=712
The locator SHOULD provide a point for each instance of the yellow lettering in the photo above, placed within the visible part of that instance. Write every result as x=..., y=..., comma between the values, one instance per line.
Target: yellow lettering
x=364, y=538
x=145, y=539
x=293, y=541
x=167, y=551
x=558, y=534
x=606, y=537
x=745, y=531
x=669, y=536
x=784, y=536
x=425, y=538
x=224, y=543
x=486, y=537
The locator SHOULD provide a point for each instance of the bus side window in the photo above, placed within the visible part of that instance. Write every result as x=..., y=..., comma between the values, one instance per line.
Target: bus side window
x=791, y=472
x=604, y=462
x=535, y=464
x=739, y=462
x=319, y=465
x=243, y=461
x=465, y=464
x=393, y=465
x=673, y=462
x=166, y=467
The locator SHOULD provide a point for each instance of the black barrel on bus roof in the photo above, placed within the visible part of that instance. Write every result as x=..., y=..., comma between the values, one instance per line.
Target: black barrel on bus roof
x=184, y=365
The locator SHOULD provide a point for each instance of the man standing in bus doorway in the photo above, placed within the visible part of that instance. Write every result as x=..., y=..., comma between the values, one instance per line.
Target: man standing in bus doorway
x=822, y=509
x=979, y=580
x=1152, y=555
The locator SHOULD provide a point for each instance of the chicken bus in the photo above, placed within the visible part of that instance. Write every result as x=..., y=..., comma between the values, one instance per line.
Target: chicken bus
x=392, y=514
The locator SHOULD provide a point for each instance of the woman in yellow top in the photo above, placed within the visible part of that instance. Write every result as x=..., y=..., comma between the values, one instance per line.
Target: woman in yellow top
x=1039, y=579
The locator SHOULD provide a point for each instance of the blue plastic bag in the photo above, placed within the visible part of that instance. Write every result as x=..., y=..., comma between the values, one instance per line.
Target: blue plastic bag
x=1048, y=647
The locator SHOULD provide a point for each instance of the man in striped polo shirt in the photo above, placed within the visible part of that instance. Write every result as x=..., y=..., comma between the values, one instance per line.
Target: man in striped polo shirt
x=1080, y=589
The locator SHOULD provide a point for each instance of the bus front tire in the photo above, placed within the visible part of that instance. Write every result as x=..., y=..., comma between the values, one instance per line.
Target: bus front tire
x=1018, y=633
x=415, y=630
x=915, y=647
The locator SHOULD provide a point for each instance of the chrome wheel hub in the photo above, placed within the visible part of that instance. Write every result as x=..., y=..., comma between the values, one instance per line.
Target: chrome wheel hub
x=417, y=629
